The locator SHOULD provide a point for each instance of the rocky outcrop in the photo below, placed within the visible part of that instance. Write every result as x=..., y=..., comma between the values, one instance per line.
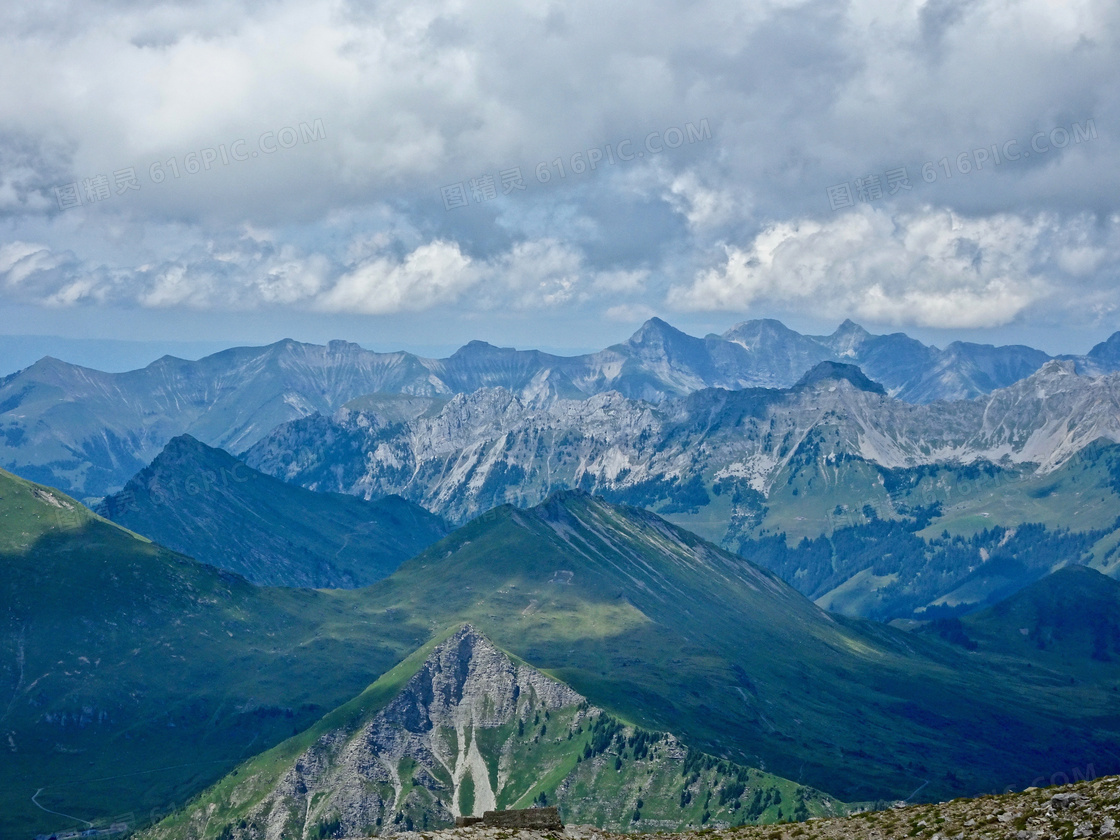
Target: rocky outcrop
x=1086, y=810
x=472, y=732
x=544, y=819
x=417, y=758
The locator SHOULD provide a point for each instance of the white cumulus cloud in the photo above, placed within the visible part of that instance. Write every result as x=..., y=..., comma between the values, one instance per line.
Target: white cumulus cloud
x=435, y=273
x=930, y=268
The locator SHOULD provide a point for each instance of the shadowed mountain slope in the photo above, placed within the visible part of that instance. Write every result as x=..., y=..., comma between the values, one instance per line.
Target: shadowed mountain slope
x=205, y=503
x=1069, y=620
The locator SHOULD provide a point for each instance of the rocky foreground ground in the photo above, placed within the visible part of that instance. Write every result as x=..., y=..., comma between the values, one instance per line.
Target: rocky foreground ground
x=1088, y=809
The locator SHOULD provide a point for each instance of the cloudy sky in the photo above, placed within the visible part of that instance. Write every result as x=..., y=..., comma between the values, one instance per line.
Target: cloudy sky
x=416, y=174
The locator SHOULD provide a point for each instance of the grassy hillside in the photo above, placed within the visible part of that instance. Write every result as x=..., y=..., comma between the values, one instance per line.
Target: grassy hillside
x=1069, y=620
x=131, y=676
x=207, y=504
x=137, y=677
x=929, y=541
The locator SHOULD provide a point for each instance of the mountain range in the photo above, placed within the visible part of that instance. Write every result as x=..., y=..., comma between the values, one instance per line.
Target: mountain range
x=832, y=460
x=139, y=677
x=491, y=446
x=88, y=432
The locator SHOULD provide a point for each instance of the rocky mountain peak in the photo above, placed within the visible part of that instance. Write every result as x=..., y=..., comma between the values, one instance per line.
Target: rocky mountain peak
x=557, y=506
x=1054, y=369
x=339, y=347
x=751, y=333
x=55, y=371
x=468, y=681
x=846, y=341
x=1107, y=352
x=182, y=450
x=839, y=372
x=656, y=332
x=477, y=348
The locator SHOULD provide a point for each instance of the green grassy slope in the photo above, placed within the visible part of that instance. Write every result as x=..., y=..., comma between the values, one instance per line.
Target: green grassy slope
x=131, y=665
x=651, y=623
x=131, y=676
x=937, y=540
x=207, y=504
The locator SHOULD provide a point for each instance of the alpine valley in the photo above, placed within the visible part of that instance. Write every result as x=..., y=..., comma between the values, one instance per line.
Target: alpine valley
x=679, y=583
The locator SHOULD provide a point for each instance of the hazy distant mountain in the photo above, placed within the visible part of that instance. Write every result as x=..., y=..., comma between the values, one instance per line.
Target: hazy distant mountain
x=208, y=505
x=1106, y=355
x=917, y=373
x=20, y=351
x=88, y=432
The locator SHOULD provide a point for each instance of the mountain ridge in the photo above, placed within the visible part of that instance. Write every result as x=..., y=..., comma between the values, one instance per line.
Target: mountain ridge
x=88, y=432
x=207, y=504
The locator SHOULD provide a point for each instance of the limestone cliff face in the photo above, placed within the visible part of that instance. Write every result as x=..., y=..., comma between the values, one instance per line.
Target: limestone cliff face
x=491, y=446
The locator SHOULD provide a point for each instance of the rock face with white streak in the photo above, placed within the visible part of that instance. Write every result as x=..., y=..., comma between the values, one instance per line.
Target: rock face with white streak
x=420, y=753
x=470, y=730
